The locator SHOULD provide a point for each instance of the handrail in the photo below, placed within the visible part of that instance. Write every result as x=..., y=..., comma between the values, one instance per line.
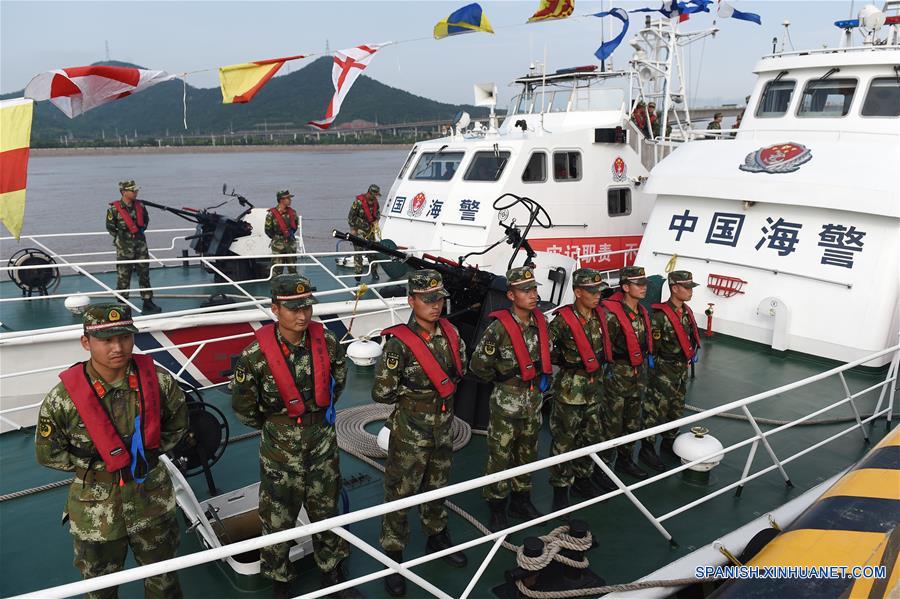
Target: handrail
x=339, y=523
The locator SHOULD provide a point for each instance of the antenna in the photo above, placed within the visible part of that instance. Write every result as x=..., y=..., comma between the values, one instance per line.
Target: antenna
x=327, y=47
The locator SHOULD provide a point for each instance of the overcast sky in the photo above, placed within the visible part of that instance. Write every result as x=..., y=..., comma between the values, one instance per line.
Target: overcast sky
x=179, y=37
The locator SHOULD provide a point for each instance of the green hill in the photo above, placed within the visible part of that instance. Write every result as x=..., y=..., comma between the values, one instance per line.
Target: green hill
x=295, y=98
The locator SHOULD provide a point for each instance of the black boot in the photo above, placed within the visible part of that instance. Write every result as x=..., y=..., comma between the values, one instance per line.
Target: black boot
x=626, y=466
x=358, y=278
x=648, y=456
x=667, y=446
x=520, y=506
x=395, y=584
x=560, y=498
x=375, y=276
x=337, y=576
x=498, y=519
x=149, y=307
x=442, y=541
x=281, y=590
x=585, y=487
x=603, y=482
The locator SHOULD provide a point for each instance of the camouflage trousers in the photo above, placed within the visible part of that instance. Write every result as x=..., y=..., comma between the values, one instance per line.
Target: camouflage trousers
x=358, y=258
x=283, y=265
x=664, y=401
x=511, y=442
x=571, y=427
x=625, y=386
x=153, y=544
x=411, y=469
x=123, y=271
x=283, y=491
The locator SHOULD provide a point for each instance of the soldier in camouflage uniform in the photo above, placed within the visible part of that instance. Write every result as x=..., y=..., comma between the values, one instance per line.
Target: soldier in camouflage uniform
x=576, y=417
x=298, y=453
x=421, y=442
x=111, y=510
x=626, y=380
x=282, y=232
x=126, y=221
x=668, y=379
x=363, y=221
x=515, y=404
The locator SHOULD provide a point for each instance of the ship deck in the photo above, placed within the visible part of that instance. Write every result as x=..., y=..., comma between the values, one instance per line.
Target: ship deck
x=36, y=551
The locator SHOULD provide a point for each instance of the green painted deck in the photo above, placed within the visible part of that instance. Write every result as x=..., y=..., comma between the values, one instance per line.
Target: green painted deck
x=36, y=552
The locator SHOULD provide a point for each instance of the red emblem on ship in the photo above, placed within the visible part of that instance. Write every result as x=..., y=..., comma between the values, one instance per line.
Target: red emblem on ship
x=417, y=205
x=778, y=158
x=619, y=170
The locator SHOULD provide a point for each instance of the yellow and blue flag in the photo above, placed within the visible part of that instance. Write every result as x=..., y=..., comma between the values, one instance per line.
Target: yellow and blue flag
x=468, y=19
x=553, y=9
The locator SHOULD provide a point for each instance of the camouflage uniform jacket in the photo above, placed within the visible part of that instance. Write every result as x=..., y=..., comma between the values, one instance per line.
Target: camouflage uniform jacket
x=572, y=385
x=494, y=360
x=274, y=231
x=665, y=343
x=357, y=217
x=400, y=380
x=122, y=237
x=255, y=397
x=105, y=511
x=617, y=337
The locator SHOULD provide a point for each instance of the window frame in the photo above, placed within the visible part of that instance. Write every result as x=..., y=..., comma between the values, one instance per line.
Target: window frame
x=444, y=153
x=868, y=91
x=629, y=203
x=819, y=115
x=527, y=164
x=762, y=98
x=580, y=164
x=409, y=160
x=474, y=159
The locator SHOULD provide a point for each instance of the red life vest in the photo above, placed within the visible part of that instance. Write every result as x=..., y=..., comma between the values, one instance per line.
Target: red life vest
x=440, y=379
x=635, y=355
x=287, y=230
x=582, y=343
x=686, y=348
x=526, y=365
x=362, y=199
x=284, y=378
x=133, y=228
x=99, y=426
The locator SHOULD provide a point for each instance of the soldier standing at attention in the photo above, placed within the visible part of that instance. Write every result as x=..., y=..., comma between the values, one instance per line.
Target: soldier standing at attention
x=580, y=349
x=281, y=227
x=108, y=421
x=285, y=383
x=126, y=221
x=514, y=353
x=676, y=342
x=422, y=363
x=363, y=221
x=629, y=332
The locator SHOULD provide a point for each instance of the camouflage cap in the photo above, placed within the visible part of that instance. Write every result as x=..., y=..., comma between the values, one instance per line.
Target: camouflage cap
x=632, y=274
x=683, y=278
x=589, y=280
x=375, y=189
x=427, y=285
x=128, y=186
x=108, y=320
x=521, y=278
x=283, y=194
x=292, y=291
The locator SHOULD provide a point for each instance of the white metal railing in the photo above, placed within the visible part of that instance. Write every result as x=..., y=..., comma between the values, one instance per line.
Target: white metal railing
x=339, y=523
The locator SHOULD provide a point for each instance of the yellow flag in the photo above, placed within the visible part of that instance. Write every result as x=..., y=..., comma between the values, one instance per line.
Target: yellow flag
x=15, y=141
x=240, y=82
x=553, y=9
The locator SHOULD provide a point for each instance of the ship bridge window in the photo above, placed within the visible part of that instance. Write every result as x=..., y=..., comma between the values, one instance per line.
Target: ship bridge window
x=487, y=166
x=559, y=101
x=536, y=169
x=566, y=166
x=407, y=163
x=776, y=98
x=437, y=166
x=618, y=201
x=883, y=98
x=828, y=98
x=599, y=99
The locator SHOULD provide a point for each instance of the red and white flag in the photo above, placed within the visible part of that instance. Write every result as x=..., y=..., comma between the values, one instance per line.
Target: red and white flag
x=78, y=89
x=348, y=64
